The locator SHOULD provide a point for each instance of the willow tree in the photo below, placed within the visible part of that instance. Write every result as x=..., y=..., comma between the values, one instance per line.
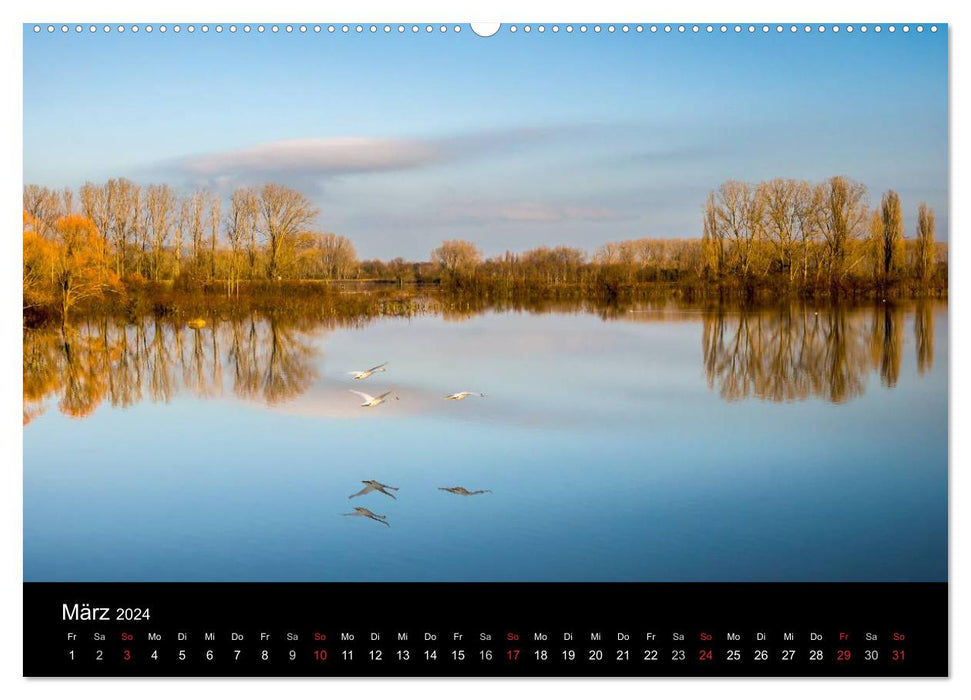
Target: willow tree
x=926, y=255
x=284, y=213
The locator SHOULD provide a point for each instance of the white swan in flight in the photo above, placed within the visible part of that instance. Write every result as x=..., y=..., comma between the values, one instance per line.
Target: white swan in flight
x=462, y=491
x=368, y=372
x=372, y=485
x=365, y=513
x=372, y=401
x=463, y=395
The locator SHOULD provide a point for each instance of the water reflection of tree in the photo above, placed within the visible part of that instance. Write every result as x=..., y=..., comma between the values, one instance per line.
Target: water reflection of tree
x=270, y=359
x=42, y=370
x=886, y=343
x=924, y=335
x=795, y=352
x=787, y=353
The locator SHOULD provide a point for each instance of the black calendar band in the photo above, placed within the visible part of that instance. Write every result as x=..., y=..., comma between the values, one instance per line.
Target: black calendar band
x=485, y=629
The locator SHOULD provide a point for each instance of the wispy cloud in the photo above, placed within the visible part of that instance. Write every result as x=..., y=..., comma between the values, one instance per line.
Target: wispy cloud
x=526, y=211
x=323, y=158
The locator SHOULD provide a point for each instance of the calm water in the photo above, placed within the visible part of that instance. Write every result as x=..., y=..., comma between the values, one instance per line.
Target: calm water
x=662, y=444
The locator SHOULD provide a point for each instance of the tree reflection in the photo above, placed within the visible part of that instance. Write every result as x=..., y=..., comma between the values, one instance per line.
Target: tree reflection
x=269, y=359
x=886, y=343
x=924, y=335
x=83, y=370
x=788, y=353
x=795, y=352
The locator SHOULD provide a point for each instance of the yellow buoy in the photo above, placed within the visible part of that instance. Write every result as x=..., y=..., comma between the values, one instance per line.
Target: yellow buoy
x=197, y=323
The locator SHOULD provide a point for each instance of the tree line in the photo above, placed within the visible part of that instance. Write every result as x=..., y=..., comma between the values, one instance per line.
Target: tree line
x=814, y=234
x=107, y=239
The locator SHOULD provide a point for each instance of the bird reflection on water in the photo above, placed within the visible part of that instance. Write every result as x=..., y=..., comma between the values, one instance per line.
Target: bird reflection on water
x=462, y=491
x=372, y=485
x=365, y=513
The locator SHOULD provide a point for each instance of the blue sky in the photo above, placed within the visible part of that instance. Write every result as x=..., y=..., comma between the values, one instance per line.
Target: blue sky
x=511, y=141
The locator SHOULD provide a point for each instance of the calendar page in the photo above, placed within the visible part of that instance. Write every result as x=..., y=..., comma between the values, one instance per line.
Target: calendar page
x=544, y=349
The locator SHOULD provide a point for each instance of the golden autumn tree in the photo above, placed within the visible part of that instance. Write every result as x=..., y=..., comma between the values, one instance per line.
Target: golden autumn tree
x=38, y=265
x=78, y=262
x=711, y=244
x=875, y=243
x=926, y=251
x=842, y=217
x=892, y=225
x=457, y=256
x=284, y=214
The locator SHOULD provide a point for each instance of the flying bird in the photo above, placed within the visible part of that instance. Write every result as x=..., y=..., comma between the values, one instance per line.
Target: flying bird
x=371, y=401
x=368, y=372
x=463, y=395
x=372, y=485
x=365, y=513
x=462, y=491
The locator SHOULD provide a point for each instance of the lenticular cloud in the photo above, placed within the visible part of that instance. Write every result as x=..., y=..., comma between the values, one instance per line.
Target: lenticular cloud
x=325, y=156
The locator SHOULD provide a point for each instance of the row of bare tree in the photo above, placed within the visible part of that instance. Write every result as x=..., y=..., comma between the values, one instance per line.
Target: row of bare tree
x=781, y=233
x=153, y=233
x=811, y=232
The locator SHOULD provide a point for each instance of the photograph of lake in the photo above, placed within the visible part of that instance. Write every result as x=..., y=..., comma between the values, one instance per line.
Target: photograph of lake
x=408, y=304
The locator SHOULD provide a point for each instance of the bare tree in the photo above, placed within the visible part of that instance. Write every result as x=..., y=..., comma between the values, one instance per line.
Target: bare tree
x=283, y=214
x=926, y=253
x=196, y=229
x=67, y=201
x=94, y=205
x=875, y=244
x=892, y=224
x=181, y=231
x=213, y=212
x=711, y=242
x=44, y=207
x=241, y=232
x=457, y=257
x=336, y=255
x=841, y=217
x=808, y=204
x=123, y=200
x=741, y=222
x=781, y=201
x=160, y=212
